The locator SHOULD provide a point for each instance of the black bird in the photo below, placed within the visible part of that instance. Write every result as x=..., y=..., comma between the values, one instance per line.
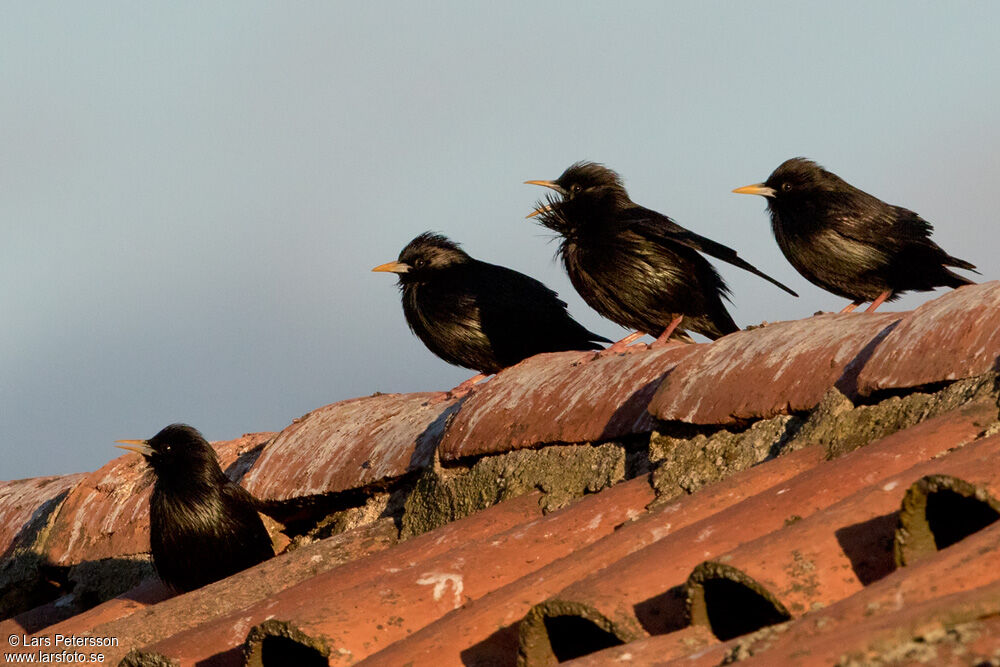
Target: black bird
x=478, y=315
x=633, y=265
x=851, y=243
x=203, y=526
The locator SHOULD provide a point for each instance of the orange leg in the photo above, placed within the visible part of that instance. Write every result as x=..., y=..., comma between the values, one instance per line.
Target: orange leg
x=879, y=301
x=664, y=338
x=850, y=307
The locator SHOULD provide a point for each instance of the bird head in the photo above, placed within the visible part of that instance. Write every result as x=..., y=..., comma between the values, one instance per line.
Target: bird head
x=423, y=256
x=178, y=451
x=588, y=191
x=792, y=182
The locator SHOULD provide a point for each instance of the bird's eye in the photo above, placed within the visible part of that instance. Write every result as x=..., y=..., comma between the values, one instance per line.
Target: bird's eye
x=575, y=188
x=786, y=186
x=419, y=264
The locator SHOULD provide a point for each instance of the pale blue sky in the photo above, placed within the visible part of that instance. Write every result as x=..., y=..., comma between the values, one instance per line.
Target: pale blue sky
x=192, y=194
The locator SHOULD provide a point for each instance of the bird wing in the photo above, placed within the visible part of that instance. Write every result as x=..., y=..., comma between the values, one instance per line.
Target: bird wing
x=515, y=297
x=656, y=226
x=895, y=230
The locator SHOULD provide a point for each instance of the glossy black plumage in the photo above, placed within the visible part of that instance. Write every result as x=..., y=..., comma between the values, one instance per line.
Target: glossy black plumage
x=203, y=526
x=847, y=241
x=478, y=315
x=633, y=265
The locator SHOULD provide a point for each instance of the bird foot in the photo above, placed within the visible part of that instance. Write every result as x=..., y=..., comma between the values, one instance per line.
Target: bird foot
x=461, y=390
x=657, y=344
x=621, y=346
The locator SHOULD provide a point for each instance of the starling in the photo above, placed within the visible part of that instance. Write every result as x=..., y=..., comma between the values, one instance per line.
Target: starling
x=849, y=242
x=633, y=265
x=203, y=526
x=478, y=315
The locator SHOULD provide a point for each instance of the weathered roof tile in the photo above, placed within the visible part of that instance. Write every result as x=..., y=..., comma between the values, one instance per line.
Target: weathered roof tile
x=350, y=444
x=25, y=506
x=778, y=369
x=561, y=397
x=954, y=336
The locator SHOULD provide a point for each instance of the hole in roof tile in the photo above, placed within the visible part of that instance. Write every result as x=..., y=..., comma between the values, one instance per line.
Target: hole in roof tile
x=938, y=511
x=281, y=651
x=729, y=602
x=560, y=629
x=572, y=637
x=953, y=517
x=276, y=643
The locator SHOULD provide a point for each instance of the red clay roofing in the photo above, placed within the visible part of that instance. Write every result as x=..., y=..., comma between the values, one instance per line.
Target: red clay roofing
x=805, y=532
x=488, y=625
x=633, y=597
x=916, y=353
x=777, y=369
x=24, y=503
x=351, y=444
x=561, y=397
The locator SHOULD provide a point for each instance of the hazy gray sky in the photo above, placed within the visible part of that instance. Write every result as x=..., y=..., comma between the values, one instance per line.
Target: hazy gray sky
x=192, y=194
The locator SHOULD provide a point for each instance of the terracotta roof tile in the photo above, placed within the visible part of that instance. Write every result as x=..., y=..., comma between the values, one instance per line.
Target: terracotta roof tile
x=358, y=622
x=778, y=369
x=654, y=650
x=951, y=337
x=476, y=631
x=642, y=590
x=957, y=569
x=824, y=557
x=350, y=444
x=148, y=593
x=855, y=549
x=221, y=638
x=561, y=397
x=25, y=506
x=118, y=618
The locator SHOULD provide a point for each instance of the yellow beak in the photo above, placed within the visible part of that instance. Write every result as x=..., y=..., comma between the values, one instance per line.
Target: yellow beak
x=755, y=189
x=138, y=446
x=539, y=211
x=392, y=267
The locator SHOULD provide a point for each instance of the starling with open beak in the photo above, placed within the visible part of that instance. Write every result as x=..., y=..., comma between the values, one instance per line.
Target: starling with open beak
x=851, y=243
x=478, y=315
x=633, y=265
x=203, y=526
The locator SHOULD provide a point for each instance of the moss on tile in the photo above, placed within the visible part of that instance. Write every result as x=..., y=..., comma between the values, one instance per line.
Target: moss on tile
x=688, y=459
x=687, y=464
x=560, y=472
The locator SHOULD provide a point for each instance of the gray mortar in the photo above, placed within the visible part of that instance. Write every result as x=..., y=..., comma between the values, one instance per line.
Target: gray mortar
x=561, y=472
x=914, y=539
x=337, y=522
x=687, y=464
x=254, y=646
x=137, y=658
x=925, y=649
x=534, y=647
x=94, y=582
x=840, y=427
